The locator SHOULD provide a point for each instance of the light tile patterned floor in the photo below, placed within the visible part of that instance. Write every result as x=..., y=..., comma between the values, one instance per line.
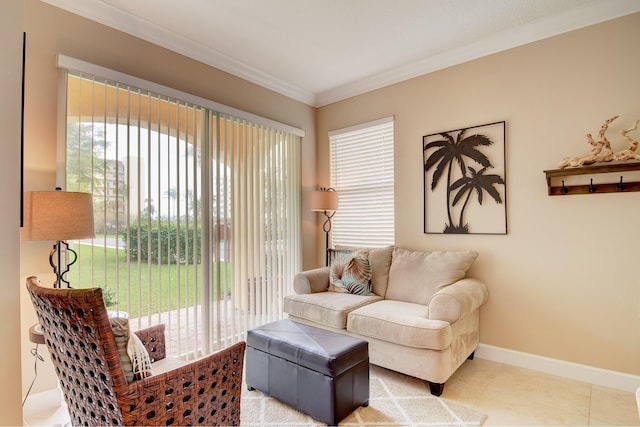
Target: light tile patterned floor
x=513, y=396
x=508, y=395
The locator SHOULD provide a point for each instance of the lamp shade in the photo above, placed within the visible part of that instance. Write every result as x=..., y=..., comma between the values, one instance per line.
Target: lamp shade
x=57, y=215
x=324, y=200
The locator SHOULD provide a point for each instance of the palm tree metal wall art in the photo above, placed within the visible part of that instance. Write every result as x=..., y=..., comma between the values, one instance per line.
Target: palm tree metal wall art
x=463, y=169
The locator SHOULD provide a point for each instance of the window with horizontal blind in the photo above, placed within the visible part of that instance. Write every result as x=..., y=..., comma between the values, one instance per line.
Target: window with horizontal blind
x=362, y=173
x=197, y=212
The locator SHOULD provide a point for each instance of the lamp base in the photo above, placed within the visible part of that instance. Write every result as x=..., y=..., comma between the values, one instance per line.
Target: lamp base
x=57, y=266
x=326, y=227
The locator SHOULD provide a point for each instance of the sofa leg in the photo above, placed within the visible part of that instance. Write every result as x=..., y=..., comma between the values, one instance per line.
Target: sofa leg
x=436, y=388
x=473, y=353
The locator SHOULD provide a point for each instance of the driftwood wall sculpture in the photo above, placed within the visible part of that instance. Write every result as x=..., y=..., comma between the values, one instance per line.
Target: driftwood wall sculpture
x=602, y=151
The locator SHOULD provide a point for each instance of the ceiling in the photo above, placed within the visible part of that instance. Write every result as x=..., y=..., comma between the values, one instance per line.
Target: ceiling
x=323, y=51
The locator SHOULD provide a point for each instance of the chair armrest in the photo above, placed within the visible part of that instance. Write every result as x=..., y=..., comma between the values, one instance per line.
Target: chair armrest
x=204, y=392
x=455, y=301
x=153, y=340
x=311, y=281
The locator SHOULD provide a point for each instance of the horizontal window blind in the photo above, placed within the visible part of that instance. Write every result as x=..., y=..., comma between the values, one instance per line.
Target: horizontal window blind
x=362, y=171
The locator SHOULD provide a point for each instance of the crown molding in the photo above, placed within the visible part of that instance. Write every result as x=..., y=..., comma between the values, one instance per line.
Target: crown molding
x=589, y=14
x=106, y=14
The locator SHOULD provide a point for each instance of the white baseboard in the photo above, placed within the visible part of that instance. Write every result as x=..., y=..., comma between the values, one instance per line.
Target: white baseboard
x=561, y=368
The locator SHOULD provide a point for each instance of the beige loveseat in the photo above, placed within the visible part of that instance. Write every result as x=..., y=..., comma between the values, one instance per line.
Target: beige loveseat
x=421, y=317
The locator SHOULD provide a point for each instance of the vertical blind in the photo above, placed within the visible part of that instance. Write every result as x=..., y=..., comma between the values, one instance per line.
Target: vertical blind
x=197, y=212
x=362, y=173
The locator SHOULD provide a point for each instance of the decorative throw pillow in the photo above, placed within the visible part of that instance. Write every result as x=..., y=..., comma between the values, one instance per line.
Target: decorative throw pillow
x=120, y=327
x=134, y=357
x=415, y=276
x=350, y=272
x=380, y=261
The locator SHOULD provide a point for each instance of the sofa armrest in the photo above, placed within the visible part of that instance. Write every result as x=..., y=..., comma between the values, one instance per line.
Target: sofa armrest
x=311, y=281
x=457, y=300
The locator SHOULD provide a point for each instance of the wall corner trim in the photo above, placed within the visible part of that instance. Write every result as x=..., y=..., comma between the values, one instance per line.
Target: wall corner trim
x=561, y=368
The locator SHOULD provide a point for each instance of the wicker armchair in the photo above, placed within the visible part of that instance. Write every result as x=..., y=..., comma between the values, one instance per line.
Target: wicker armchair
x=83, y=350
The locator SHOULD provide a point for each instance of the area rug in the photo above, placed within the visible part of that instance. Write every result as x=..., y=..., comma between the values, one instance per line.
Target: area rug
x=395, y=400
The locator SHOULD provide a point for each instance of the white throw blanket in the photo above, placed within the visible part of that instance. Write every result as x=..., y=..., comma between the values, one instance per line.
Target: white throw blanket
x=139, y=357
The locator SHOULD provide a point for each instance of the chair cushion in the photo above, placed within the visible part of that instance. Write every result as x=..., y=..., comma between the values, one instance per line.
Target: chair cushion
x=401, y=323
x=415, y=276
x=327, y=308
x=167, y=364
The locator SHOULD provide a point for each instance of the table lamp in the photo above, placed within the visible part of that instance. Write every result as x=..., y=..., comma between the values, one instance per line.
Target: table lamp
x=58, y=216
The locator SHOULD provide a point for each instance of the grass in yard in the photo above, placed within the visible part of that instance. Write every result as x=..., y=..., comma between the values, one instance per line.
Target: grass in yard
x=141, y=288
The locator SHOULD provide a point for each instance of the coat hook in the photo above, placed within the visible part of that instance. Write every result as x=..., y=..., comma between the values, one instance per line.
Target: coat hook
x=592, y=188
x=564, y=190
x=620, y=186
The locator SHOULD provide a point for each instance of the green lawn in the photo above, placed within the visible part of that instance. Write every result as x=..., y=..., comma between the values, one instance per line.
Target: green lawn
x=149, y=288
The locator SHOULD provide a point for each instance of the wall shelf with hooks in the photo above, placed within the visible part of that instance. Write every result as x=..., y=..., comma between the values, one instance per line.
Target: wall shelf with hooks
x=556, y=184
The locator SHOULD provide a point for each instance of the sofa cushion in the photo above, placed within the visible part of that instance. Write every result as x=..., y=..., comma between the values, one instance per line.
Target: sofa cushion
x=327, y=308
x=400, y=323
x=350, y=272
x=380, y=260
x=415, y=276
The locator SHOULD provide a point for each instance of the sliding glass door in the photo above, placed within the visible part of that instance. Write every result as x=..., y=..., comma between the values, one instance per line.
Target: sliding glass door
x=197, y=212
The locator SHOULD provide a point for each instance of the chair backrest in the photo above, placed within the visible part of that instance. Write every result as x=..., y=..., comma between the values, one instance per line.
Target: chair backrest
x=83, y=350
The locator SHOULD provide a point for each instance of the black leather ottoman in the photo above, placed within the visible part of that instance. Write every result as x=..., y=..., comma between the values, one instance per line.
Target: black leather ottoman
x=321, y=373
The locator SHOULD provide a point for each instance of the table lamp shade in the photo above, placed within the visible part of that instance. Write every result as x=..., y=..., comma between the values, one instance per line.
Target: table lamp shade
x=57, y=215
x=324, y=200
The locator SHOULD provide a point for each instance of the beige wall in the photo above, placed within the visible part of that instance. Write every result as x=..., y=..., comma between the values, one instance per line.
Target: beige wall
x=11, y=19
x=564, y=282
x=51, y=31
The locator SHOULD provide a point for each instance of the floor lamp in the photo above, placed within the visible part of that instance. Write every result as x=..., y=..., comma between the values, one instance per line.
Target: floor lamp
x=326, y=201
x=58, y=216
